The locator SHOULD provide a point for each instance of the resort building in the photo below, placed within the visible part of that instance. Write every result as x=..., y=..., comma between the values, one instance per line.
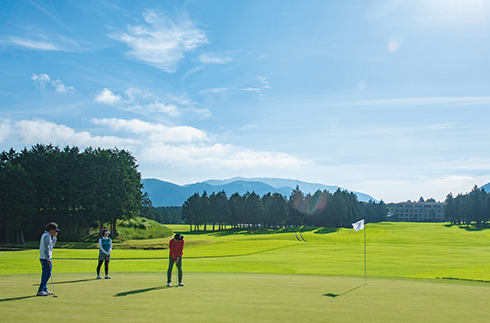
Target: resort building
x=419, y=211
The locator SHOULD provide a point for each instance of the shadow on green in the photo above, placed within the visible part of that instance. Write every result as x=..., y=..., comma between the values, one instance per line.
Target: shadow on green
x=139, y=291
x=337, y=295
x=16, y=298
x=71, y=281
x=261, y=231
x=469, y=227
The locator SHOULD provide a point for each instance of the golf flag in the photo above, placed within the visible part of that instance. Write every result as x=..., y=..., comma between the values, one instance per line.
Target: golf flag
x=359, y=225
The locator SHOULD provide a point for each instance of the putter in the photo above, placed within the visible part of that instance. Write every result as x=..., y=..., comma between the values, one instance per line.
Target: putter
x=52, y=285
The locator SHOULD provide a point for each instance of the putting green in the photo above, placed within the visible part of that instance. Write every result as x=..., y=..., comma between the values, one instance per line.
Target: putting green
x=235, y=297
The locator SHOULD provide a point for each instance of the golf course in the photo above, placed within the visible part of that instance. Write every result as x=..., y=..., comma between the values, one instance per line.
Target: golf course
x=416, y=272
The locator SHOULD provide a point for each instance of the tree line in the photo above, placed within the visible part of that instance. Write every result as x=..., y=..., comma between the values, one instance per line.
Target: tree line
x=163, y=214
x=468, y=208
x=77, y=189
x=273, y=210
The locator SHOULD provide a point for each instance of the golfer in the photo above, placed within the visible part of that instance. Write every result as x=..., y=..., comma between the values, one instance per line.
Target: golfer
x=105, y=248
x=48, y=240
x=176, y=246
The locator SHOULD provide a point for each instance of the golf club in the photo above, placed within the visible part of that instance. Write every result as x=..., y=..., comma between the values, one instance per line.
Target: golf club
x=52, y=285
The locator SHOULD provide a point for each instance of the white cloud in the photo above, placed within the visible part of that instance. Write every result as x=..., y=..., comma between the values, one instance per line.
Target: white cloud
x=5, y=130
x=215, y=90
x=184, y=145
x=30, y=132
x=203, y=113
x=32, y=44
x=218, y=156
x=151, y=143
x=162, y=42
x=44, y=81
x=155, y=132
x=224, y=90
x=106, y=96
x=139, y=101
x=40, y=78
x=211, y=58
x=264, y=81
x=42, y=41
x=60, y=87
x=158, y=107
x=251, y=89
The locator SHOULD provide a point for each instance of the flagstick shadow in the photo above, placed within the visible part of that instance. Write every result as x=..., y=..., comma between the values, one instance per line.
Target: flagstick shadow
x=138, y=291
x=341, y=294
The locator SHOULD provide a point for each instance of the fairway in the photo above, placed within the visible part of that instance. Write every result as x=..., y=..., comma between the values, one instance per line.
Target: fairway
x=416, y=273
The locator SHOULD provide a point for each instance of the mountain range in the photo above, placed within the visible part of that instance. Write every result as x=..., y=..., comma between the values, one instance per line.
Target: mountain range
x=486, y=187
x=168, y=194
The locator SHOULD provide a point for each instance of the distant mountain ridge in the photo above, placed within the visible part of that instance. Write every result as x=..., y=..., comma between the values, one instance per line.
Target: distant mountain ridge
x=168, y=194
x=486, y=187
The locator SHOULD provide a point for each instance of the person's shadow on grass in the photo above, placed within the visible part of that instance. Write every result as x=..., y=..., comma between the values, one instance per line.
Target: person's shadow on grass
x=337, y=295
x=70, y=281
x=138, y=291
x=16, y=298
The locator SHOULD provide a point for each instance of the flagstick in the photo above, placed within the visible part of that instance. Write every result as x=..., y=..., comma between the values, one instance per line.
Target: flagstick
x=365, y=279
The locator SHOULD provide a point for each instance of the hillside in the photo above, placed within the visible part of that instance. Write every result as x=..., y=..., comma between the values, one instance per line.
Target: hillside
x=168, y=194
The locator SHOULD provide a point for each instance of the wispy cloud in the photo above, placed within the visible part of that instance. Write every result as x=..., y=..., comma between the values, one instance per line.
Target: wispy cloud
x=436, y=101
x=211, y=58
x=162, y=42
x=32, y=44
x=215, y=90
x=224, y=90
x=264, y=81
x=41, y=41
x=43, y=81
x=138, y=101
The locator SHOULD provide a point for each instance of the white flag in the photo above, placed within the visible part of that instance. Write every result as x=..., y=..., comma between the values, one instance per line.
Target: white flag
x=359, y=225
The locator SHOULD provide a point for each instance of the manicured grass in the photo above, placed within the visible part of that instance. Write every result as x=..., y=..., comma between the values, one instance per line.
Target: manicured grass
x=416, y=273
x=236, y=297
x=394, y=250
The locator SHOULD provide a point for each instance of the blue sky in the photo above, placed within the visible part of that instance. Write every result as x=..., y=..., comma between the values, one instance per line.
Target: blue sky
x=390, y=98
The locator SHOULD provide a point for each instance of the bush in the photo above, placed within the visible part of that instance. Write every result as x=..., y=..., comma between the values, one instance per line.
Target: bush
x=141, y=228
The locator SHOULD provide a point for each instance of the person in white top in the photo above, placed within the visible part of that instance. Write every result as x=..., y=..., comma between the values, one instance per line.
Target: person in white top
x=48, y=240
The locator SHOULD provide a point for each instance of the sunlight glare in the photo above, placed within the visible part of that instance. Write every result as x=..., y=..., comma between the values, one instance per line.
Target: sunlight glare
x=392, y=45
x=456, y=11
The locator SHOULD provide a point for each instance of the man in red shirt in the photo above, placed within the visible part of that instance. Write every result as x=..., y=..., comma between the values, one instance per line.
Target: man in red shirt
x=176, y=246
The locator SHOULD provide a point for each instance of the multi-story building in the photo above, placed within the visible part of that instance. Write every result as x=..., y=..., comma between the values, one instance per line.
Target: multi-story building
x=419, y=211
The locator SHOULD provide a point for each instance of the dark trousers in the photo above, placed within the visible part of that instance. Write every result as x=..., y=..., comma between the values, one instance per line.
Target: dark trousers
x=106, y=267
x=171, y=262
x=45, y=275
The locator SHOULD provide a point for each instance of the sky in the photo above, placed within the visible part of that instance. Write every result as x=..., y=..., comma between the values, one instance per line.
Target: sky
x=389, y=98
